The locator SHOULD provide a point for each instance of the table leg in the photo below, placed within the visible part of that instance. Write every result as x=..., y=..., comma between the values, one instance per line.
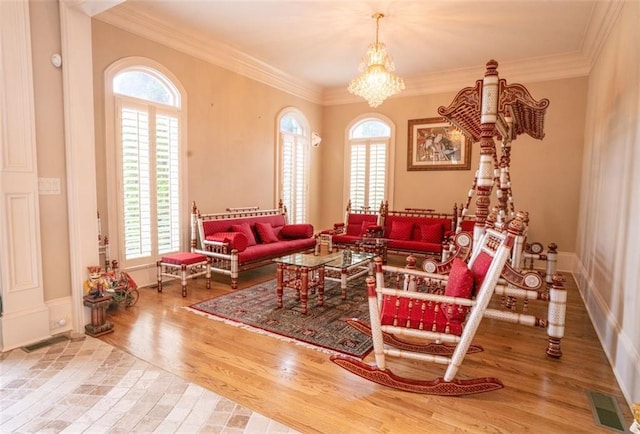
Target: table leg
x=279, y=274
x=321, y=286
x=343, y=283
x=304, y=289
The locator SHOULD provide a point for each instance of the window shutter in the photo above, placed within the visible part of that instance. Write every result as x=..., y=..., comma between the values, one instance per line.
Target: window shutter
x=167, y=183
x=377, y=174
x=136, y=182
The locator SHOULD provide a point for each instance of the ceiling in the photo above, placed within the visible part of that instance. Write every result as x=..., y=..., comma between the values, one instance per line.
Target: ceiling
x=313, y=48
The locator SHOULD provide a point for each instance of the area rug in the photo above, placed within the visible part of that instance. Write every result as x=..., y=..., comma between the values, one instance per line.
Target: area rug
x=322, y=328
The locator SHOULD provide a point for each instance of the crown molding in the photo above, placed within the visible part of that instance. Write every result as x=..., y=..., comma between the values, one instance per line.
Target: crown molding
x=603, y=17
x=213, y=52
x=558, y=67
x=527, y=71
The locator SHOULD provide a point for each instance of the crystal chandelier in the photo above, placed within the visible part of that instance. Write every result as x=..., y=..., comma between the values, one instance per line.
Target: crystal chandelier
x=376, y=81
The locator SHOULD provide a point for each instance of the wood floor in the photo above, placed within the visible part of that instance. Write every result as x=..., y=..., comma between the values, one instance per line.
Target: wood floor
x=303, y=389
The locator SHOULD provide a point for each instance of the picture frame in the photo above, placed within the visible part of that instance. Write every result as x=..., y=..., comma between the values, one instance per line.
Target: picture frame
x=433, y=144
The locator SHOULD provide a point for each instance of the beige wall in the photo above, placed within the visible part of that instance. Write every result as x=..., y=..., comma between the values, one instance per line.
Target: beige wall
x=608, y=247
x=231, y=125
x=47, y=79
x=545, y=174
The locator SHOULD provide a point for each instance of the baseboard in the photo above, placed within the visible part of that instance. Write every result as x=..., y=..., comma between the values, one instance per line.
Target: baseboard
x=60, y=315
x=619, y=349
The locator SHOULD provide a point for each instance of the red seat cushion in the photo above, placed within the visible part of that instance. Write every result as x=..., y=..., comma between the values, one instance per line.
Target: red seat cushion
x=246, y=230
x=186, y=258
x=460, y=285
x=265, y=233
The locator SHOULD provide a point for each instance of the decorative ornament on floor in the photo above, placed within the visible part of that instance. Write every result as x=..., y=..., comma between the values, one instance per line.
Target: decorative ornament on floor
x=377, y=81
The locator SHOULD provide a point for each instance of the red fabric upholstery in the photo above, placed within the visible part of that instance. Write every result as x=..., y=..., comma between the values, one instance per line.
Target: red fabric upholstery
x=236, y=240
x=296, y=231
x=265, y=233
x=186, y=258
x=401, y=230
x=345, y=239
x=273, y=250
x=415, y=246
x=354, y=222
x=479, y=269
x=224, y=225
x=245, y=228
x=417, y=314
x=467, y=225
x=460, y=284
x=432, y=233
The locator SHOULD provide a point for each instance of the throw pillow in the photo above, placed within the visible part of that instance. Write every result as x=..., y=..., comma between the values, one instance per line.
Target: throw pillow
x=236, y=240
x=479, y=269
x=432, y=233
x=366, y=225
x=246, y=230
x=297, y=231
x=400, y=230
x=460, y=285
x=265, y=233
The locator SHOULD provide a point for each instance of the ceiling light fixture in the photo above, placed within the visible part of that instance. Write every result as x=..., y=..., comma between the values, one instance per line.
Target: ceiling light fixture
x=376, y=81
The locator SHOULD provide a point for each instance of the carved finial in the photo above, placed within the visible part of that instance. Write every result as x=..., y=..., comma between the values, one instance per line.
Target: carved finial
x=492, y=67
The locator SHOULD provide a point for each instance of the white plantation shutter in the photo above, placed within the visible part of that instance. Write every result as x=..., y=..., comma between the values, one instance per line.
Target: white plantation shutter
x=150, y=149
x=368, y=172
x=358, y=183
x=136, y=206
x=167, y=183
x=377, y=173
x=293, y=176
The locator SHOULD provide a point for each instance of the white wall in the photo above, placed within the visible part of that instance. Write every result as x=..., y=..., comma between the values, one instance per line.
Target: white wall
x=608, y=242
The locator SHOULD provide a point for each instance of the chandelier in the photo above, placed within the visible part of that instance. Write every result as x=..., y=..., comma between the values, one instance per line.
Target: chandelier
x=376, y=81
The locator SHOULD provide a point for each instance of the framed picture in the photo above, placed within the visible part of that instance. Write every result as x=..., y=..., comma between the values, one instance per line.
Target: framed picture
x=435, y=145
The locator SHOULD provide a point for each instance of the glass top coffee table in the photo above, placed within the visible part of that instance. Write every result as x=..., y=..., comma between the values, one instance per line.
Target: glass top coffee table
x=304, y=272
x=345, y=268
x=301, y=272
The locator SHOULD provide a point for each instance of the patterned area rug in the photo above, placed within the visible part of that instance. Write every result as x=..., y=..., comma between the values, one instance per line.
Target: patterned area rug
x=322, y=328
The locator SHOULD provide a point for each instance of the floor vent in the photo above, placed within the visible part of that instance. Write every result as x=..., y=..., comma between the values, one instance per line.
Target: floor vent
x=606, y=411
x=45, y=343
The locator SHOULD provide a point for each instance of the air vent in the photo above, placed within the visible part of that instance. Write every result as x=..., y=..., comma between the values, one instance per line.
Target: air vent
x=45, y=343
x=606, y=411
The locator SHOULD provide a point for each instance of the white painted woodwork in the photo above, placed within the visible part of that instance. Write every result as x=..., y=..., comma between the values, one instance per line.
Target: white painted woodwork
x=25, y=318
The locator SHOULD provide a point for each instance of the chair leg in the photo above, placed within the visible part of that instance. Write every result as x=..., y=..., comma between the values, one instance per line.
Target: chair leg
x=159, y=275
x=183, y=276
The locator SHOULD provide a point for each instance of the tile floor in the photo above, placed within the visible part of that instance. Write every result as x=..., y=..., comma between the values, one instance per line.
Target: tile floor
x=88, y=386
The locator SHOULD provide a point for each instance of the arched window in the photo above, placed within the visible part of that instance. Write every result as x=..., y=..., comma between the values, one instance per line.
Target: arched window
x=146, y=155
x=369, y=162
x=293, y=163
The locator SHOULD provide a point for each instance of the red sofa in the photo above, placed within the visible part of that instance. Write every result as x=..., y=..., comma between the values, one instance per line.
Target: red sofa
x=420, y=232
x=243, y=239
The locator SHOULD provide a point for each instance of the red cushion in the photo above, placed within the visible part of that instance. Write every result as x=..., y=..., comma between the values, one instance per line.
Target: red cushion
x=460, y=284
x=432, y=233
x=401, y=230
x=416, y=314
x=236, y=240
x=246, y=230
x=366, y=226
x=479, y=269
x=265, y=233
x=297, y=231
x=186, y=258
